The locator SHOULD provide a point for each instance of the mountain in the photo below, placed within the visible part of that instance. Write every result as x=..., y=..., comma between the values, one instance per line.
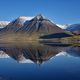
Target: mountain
x=37, y=24
x=34, y=28
x=74, y=28
x=4, y=24
x=15, y=24
x=40, y=25
x=63, y=26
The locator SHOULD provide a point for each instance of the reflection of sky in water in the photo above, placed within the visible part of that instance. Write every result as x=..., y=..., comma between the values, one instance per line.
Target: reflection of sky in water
x=63, y=65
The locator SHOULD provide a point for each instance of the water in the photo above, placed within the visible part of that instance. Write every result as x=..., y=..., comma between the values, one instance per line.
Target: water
x=39, y=62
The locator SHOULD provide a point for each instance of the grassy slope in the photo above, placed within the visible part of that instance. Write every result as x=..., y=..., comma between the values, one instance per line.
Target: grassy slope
x=74, y=39
x=20, y=38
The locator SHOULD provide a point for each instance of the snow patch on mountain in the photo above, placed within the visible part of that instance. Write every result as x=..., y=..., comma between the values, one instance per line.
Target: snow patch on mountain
x=64, y=26
x=3, y=23
x=25, y=18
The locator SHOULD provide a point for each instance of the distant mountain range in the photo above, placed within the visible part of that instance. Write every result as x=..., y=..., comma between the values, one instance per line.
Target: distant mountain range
x=74, y=28
x=4, y=24
x=63, y=26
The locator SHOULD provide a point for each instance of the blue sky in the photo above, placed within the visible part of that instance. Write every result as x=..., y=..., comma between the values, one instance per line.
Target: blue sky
x=60, y=11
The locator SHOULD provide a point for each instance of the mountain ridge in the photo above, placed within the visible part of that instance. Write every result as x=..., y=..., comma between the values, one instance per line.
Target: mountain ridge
x=74, y=28
x=32, y=29
x=36, y=24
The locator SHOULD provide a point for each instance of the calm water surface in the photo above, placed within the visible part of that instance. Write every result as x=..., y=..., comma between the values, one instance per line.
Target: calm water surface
x=39, y=62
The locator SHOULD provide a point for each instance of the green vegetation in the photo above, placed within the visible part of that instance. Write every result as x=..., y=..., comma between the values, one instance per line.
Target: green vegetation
x=73, y=40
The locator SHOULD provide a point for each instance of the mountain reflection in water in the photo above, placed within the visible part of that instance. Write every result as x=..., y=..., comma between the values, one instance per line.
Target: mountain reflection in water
x=36, y=53
x=40, y=61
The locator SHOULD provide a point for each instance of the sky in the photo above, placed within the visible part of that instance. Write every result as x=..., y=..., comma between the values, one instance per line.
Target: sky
x=59, y=11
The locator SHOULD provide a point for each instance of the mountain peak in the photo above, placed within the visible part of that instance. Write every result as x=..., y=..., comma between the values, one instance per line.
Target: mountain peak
x=39, y=17
x=19, y=22
x=38, y=24
x=22, y=18
x=3, y=23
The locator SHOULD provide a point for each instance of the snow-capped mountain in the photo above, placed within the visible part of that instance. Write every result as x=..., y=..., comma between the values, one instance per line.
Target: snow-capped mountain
x=16, y=24
x=38, y=24
x=36, y=27
x=74, y=28
x=41, y=25
x=4, y=24
x=64, y=26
